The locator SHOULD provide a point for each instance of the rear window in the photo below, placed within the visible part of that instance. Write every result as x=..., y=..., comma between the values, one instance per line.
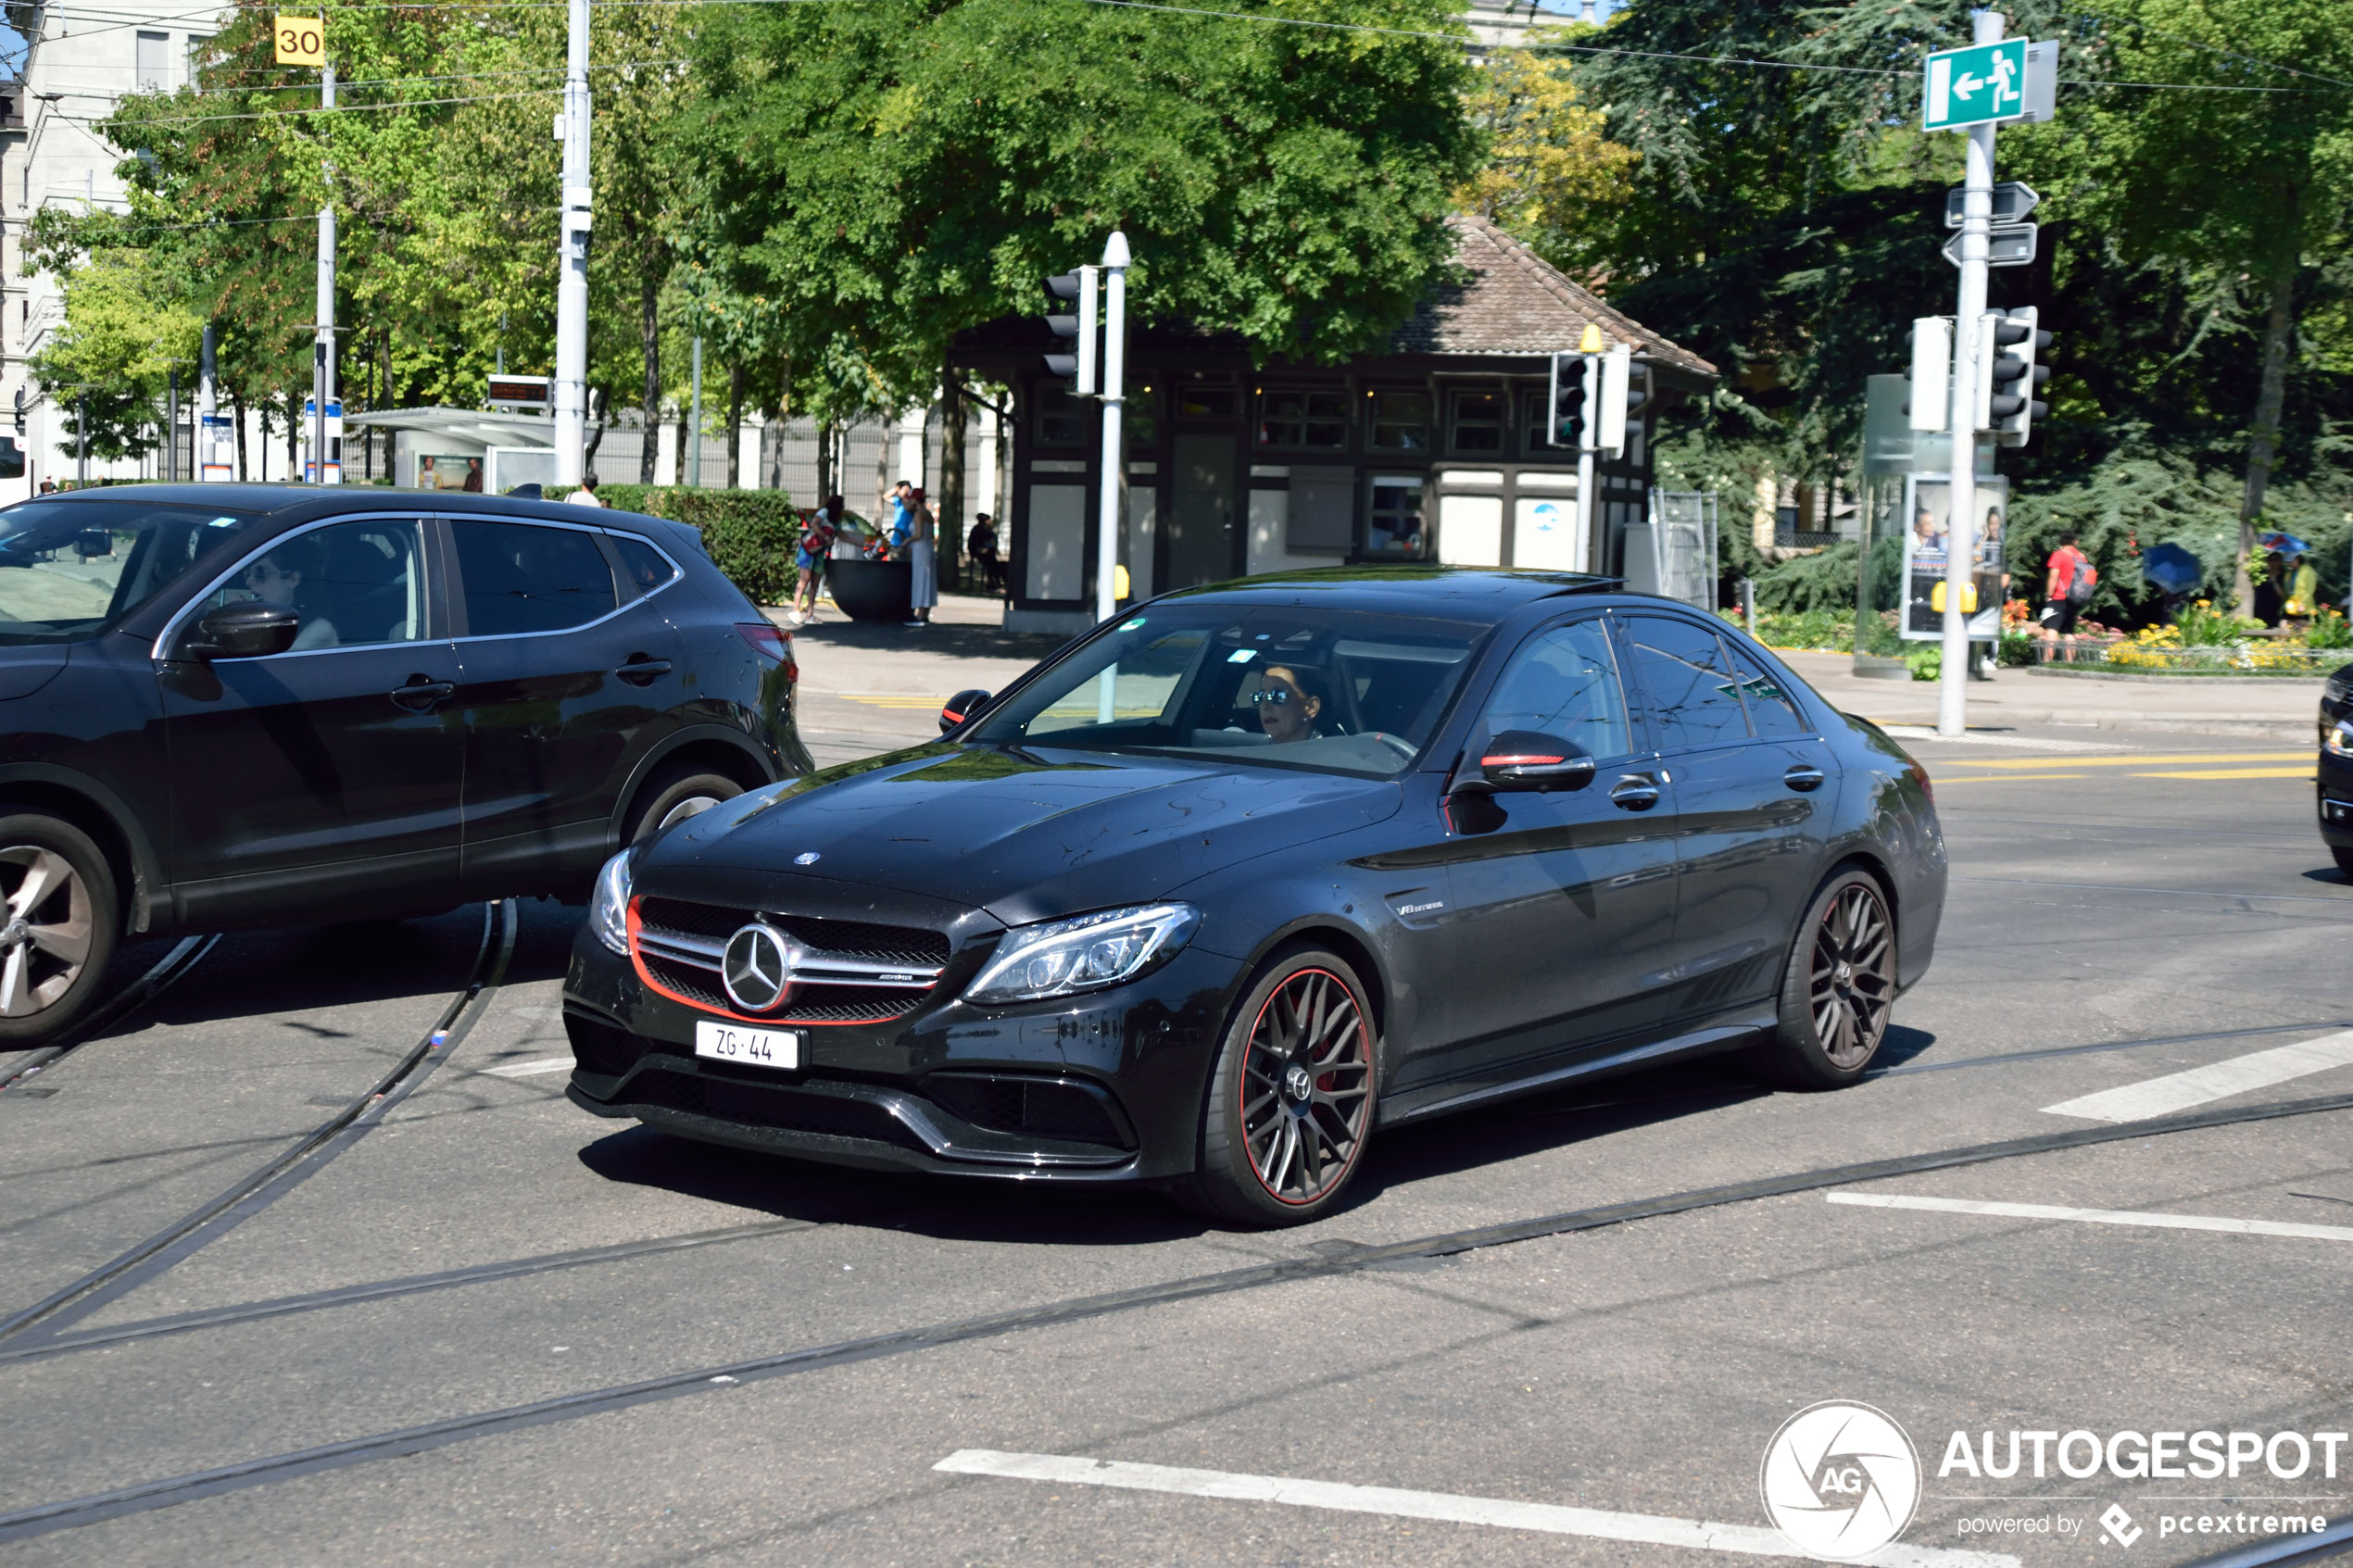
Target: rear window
x=71, y=570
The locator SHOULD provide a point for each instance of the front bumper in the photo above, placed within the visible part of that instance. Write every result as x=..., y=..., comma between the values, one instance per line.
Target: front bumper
x=1103, y=1087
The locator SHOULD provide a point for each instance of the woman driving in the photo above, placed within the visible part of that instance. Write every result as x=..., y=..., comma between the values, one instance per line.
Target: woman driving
x=1288, y=701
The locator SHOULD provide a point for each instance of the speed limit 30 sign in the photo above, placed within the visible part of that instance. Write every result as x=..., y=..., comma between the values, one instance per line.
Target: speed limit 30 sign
x=302, y=40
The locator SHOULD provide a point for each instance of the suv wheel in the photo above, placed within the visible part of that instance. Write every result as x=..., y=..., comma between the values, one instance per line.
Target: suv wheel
x=1836, y=990
x=676, y=794
x=1290, y=1103
x=57, y=925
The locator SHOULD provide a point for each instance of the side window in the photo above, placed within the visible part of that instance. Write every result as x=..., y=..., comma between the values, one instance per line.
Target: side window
x=523, y=577
x=1771, y=709
x=353, y=584
x=1691, y=691
x=647, y=567
x=1563, y=681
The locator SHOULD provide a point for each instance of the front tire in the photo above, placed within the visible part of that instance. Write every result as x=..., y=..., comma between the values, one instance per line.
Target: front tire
x=57, y=927
x=1291, y=1102
x=1837, y=988
x=2344, y=860
x=674, y=795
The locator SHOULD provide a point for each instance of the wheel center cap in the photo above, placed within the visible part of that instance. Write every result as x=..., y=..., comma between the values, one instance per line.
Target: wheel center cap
x=1845, y=975
x=15, y=933
x=1296, y=1084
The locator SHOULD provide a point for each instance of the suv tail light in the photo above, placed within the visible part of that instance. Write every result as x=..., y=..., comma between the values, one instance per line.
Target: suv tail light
x=770, y=640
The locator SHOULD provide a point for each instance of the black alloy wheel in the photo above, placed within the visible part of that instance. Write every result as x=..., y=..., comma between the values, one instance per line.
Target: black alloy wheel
x=56, y=927
x=1837, y=990
x=1290, y=1103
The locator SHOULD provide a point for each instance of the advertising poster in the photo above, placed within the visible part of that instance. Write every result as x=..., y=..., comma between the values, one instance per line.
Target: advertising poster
x=446, y=472
x=1928, y=507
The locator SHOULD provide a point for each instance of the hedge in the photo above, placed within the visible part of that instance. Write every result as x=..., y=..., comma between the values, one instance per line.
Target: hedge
x=750, y=532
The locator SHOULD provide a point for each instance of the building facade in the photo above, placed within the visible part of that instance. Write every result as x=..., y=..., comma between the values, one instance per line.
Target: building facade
x=1435, y=448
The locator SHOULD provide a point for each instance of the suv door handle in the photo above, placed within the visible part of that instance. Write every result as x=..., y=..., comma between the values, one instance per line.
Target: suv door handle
x=1802, y=777
x=420, y=695
x=1634, y=792
x=642, y=672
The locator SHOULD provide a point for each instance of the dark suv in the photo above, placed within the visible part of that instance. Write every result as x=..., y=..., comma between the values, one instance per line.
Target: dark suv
x=239, y=704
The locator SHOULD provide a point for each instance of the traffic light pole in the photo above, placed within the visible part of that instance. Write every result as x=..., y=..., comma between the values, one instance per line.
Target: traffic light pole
x=322, y=365
x=1960, y=532
x=1115, y=373
x=571, y=261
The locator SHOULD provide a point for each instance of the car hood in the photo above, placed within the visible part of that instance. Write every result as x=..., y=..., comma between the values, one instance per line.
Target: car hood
x=1026, y=834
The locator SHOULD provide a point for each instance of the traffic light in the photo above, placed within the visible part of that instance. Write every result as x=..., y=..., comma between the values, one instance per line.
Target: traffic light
x=2012, y=375
x=1931, y=373
x=1626, y=387
x=1079, y=368
x=19, y=412
x=1566, y=400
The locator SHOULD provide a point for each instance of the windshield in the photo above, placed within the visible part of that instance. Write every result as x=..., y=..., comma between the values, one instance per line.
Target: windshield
x=1331, y=690
x=72, y=569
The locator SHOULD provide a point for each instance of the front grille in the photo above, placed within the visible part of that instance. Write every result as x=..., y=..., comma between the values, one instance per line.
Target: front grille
x=765, y=1105
x=1043, y=1107
x=681, y=941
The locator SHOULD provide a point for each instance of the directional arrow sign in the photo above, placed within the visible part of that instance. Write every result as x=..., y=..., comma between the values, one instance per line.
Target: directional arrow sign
x=1975, y=86
x=2009, y=245
x=2013, y=199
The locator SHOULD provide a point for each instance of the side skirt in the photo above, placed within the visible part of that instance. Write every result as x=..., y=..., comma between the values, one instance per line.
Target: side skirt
x=1719, y=1033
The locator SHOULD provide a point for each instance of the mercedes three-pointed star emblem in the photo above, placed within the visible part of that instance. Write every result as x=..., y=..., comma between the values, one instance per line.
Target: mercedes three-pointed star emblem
x=757, y=968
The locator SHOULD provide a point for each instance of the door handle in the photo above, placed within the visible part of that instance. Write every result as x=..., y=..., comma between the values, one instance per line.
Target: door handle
x=1802, y=777
x=642, y=672
x=1634, y=792
x=421, y=695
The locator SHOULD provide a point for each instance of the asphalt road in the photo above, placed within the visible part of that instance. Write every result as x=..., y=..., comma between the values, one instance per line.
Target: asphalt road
x=593, y=1336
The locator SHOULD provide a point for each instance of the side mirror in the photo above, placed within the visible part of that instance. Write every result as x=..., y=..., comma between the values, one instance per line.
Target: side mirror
x=245, y=631
x=961, y=707
x=1529, y=759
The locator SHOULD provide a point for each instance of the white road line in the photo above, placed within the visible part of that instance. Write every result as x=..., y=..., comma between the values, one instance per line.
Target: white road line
x=530, y=1069
x=2180, y=1091
x=2221, y=1222
x=2019, y=743
x=1650, y=1529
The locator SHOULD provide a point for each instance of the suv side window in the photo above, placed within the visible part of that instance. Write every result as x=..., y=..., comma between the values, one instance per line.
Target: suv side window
x=353, y=584
x=647, y=567
x=1694, y=695
x=1563, y=681
x=529, y=577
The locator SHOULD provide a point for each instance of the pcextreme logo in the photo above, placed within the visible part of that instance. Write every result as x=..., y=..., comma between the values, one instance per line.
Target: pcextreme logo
x=1840, y=1480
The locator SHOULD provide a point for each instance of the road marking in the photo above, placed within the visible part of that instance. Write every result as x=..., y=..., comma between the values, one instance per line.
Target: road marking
x=530, y=1069
x=2008, y=763
x=2017, y=743
x=2303, y=772
x=1650, y=1529
x=2000, y=778
x=2168, y=892
x=2223, y=1224
x=916, y=699
x=2180, y=1091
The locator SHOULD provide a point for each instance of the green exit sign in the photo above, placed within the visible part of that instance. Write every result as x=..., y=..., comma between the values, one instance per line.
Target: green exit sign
x=1975, y=86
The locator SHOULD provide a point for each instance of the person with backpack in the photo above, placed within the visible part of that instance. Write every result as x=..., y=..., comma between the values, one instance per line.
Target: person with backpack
x=2069, y=579
x=816, y=544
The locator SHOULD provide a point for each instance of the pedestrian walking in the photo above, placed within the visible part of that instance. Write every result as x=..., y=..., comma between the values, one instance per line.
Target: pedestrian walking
x=586, y=494
x=816, y=544
x=2068, y=579
x=981, y=545
x=922, y=591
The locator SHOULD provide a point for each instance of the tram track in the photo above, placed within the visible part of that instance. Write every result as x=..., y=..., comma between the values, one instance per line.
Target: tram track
x=170, y=1491
x=301, y=1160
x=183, y=956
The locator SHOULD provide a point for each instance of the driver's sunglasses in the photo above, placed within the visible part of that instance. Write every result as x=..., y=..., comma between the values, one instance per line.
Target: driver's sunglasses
x=1265, y=694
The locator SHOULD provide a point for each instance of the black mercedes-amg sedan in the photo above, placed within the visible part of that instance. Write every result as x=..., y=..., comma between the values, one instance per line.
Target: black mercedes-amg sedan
x=1254, y=869
x=2335, y=776
x=230, y=705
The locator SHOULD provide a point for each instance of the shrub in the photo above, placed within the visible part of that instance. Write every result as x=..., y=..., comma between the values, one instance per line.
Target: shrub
x=751, y=533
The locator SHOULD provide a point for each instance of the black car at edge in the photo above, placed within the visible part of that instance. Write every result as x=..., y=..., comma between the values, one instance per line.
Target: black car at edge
x=2335, y=776
x=233, y=705
x=1254, y=868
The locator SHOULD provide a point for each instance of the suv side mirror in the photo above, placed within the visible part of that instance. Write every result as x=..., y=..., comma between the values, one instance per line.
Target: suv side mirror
x=961, y=707
x=243, y=631
x=1529, y=759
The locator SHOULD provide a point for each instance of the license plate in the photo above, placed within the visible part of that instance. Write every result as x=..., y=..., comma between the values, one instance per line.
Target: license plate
x=754, y=1047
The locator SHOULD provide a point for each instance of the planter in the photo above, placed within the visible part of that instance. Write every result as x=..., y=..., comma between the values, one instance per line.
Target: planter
x=872, y=590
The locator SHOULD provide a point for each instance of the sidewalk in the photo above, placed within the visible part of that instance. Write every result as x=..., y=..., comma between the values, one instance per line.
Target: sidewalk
x=2252, y=708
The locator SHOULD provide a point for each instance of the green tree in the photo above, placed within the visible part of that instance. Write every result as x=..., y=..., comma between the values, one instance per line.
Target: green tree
x=1553, y=167
x=126, y=324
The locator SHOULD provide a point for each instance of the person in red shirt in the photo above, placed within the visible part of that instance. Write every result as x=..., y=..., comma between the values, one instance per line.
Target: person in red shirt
x=2067, y=564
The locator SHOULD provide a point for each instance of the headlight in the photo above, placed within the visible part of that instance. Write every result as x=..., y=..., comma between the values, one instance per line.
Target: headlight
x=1056, y=957
x=608, y=906
x=2338, y=738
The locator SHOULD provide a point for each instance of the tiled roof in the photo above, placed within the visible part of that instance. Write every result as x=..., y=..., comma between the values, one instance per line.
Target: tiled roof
x=1515, y=303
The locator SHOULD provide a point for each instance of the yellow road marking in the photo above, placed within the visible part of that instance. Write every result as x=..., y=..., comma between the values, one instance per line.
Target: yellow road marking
x=2303, y=772
x=1944, y=779
x=2140, y=762
x=906, y=700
